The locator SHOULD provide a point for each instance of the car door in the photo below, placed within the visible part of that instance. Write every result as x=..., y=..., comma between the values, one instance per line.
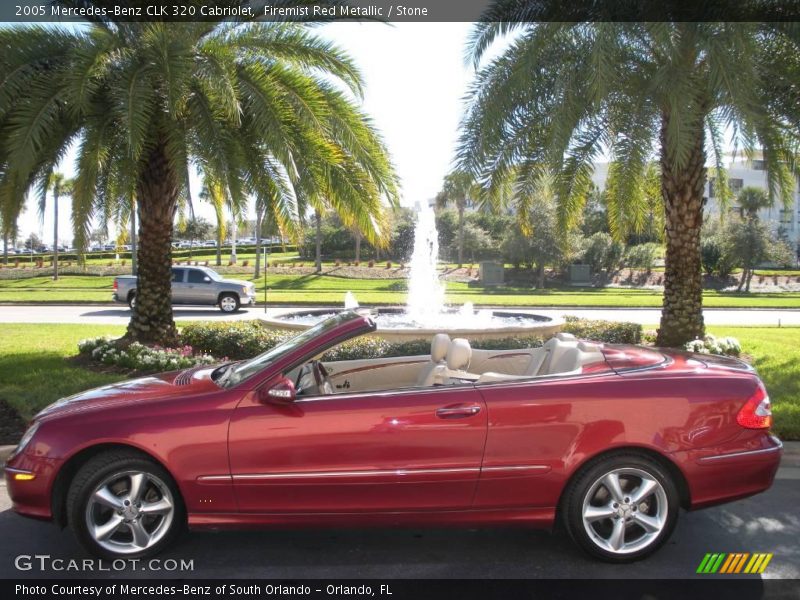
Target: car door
x=414, y=449
x=178, y=286
x=200, y=288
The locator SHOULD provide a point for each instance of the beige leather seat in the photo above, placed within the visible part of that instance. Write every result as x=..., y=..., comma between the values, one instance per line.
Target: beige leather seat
x=553, y=348
x=572, y=360
x=458, y=358
x=440, y=345
x=564, y=355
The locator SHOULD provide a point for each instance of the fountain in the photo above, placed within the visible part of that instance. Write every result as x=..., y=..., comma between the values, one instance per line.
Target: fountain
x=425, y=312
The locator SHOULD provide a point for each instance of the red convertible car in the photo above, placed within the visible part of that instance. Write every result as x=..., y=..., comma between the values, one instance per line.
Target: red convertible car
x=608, y=441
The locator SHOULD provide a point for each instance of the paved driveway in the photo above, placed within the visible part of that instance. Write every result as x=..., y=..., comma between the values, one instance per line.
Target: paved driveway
x=769, y=522
x=119, y=315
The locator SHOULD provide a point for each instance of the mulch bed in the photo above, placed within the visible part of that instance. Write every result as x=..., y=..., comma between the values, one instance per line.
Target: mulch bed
x=11, y=425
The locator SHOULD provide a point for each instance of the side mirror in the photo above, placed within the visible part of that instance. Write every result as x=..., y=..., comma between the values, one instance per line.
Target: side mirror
x=280, y=392
x=207, y=279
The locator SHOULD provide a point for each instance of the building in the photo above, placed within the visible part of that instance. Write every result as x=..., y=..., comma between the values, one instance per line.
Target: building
x=742, y=172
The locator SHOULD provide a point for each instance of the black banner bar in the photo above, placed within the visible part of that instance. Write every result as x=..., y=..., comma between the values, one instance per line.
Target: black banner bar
x=460, y=589
x=48, y=11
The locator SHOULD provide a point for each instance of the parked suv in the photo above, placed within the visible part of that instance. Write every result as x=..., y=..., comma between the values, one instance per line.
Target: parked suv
x=197, y=286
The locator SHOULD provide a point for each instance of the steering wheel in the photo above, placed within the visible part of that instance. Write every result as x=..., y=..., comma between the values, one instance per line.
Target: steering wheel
x=324, y=385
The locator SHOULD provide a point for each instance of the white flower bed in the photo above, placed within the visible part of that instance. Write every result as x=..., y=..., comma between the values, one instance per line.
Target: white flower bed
x=141, y=357
x=727, y=346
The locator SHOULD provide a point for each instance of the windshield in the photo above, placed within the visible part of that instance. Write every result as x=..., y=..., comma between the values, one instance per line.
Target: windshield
x=213, y=274
x=238, y=372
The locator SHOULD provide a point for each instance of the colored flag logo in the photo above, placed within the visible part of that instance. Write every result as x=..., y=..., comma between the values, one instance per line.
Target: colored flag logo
x=736, y=562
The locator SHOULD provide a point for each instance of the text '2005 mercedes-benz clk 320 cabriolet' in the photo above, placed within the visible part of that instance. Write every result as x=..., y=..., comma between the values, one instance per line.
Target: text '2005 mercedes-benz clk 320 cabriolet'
x=610, y=441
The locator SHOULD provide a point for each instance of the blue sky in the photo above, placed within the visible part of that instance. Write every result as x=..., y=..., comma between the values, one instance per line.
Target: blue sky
x=415, y=81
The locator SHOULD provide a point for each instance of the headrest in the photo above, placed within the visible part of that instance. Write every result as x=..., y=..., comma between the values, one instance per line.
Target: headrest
x=439, y=347
x=565, y=337
x=459, y=355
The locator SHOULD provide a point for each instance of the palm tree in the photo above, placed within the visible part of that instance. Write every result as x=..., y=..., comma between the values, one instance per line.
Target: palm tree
x=562, y=93
x=459, y=187
x=148, y=100
x=751, y=200
x=59, y=185
x=216, y=195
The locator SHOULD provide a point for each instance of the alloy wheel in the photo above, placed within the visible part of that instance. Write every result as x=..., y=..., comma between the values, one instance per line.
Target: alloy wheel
x=129, y=512
x=625, y=510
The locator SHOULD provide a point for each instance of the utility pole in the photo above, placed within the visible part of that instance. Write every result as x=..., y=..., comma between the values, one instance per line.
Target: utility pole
x=56, y=190
x=134, y=262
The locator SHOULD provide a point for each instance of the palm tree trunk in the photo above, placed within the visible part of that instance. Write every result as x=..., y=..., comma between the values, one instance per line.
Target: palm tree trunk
x=157, y=192
x=682, y=193
x=318, y=234
x=5, y=246
x=461, y=233
x=258, y=243
x=358, y=245
x=55, y=233
x=540, y=270
x=742, y=279
x=134, y=265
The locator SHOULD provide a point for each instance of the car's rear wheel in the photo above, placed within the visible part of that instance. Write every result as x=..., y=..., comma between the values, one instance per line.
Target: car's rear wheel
x=132, y=300
x=122, y=505
x=621, y=508
x=229, y=303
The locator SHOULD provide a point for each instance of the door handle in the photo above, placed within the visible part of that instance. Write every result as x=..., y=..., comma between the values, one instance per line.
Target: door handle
x=457, y=412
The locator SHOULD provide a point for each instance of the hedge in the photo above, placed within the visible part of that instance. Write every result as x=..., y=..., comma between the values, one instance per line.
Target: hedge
x=245, y=339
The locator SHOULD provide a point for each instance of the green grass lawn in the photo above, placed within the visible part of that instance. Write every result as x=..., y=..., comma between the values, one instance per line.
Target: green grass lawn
x=315, y=289
x=33, y=369
x=776, y=356
x=34, y=372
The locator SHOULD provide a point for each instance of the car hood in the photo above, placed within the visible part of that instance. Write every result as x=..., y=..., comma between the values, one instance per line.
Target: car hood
x=163, y=386
x=238, y=282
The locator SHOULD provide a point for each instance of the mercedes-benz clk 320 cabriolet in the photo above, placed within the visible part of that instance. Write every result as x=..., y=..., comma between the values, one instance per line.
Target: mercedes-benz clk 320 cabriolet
x=608, y=441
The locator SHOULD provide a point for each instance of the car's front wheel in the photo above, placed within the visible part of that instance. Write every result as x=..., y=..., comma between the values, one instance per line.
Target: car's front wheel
x=229, y=303
x=122, y=505
x=621, y=508
x=132, y=300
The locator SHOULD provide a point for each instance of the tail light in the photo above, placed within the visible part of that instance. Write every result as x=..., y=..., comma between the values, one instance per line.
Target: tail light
x=116, y=284
x=757, y=411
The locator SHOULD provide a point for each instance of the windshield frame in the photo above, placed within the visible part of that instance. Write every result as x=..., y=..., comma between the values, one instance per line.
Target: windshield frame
x=351, y=324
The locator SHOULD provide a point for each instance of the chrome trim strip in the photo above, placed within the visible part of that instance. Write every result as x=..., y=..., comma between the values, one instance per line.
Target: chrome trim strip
x=517, y=468
x=777, y=448
x=375, y=473
x=13, y=470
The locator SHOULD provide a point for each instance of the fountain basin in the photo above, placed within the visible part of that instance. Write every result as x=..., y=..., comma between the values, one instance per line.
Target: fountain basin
x=394, y=325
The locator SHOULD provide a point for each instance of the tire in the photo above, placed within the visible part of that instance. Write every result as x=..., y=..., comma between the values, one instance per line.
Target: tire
x=229, y=303
x=126, y=530
x=132, y=300
x=613, y=525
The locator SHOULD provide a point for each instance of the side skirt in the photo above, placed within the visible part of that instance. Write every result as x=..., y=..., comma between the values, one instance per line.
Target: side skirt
x=541, y=518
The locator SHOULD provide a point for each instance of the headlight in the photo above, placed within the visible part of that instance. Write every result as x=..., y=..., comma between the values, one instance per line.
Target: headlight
x=26, y=439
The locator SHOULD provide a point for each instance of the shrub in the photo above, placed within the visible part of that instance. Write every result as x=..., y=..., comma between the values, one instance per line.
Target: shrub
x=143, y=358
x=710, y=255
x=611, y=332
x=727, y=346
x=243, y=339
x=236, y=340
x=603, y=253
x=641, y=256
